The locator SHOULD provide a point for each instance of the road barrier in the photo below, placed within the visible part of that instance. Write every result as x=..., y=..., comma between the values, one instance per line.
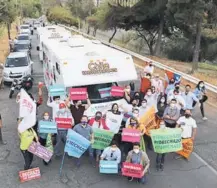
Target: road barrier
x=187, y=77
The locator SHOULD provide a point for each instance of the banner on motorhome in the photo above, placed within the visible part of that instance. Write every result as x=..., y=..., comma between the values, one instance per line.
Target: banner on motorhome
x=108, y=167
x=64, y=123
x=31, y=174
x=78, y=93
x=131, y=135
x=117, y=91
x=76, y=144
x=27, y=111
x=105, y=92
x=166, y=140
x=57, y=90
x=188, y=147
x=47, y=127
x=102, y=138
x=40, y=151
x=132, y=170
x=113, y=121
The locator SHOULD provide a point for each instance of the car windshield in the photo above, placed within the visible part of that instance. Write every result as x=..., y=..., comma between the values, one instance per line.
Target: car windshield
x=16, y=62
x=23, y=37
x=18, y=47
x=24, y=27
x=94, y=95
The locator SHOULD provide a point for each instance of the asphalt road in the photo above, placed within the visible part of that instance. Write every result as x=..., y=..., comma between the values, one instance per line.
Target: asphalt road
x=177, y=174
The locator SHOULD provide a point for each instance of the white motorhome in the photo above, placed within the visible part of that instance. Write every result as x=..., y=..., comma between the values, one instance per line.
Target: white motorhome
x=50, y=33
x=80, y=62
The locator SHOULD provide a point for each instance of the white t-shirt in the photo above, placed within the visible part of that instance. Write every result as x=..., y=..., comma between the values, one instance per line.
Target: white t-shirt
x=187, y=124
x=55, y=107
x=179, y=99
x=149, y=69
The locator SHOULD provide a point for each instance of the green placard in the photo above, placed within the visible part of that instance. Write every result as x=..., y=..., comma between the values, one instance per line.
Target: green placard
x=102, y=138
x=166, y=140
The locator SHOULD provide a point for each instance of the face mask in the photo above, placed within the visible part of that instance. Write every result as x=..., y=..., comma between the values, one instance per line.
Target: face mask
x=149, y=93
x=172, y=105
x=46, y=117
x=162, y=100
x=98, y=118
x=177, y=87
x=172, y=82
x=187, y=115
x=113, y=149
x=150, y=65
x=201, y=85
x=137, y=97
x=57, y=101
x=135, y=115
x=136, y=151
x=133, y=124
x=144, y=105
x=62, y=110
x=83, y=122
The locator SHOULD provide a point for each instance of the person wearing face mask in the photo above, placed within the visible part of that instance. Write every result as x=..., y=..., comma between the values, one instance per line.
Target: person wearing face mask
x=137, y=97
x=149, y=68
x=54, y=105
x=179, y=98
x=161, y=106
x=135, y=114
x=200, y=92
x=145, y=83
x=85, y=130
x=160, y=156
x=188, y=126
x=63, y=112
x=137, y=156
x=171, y=114
x=189, y=98
x=77, y=109
x=157, y=83
x=112, y=153
x=170, y=86
x=143, y=108
x=151, y=99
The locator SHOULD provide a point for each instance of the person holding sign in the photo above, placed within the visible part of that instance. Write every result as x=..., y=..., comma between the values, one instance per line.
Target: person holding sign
x=85, y=130
x=137, y=156
x=26, y=139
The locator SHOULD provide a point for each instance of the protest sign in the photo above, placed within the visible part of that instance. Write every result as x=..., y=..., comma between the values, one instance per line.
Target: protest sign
x=108, y=167
x=31, y=174
x=131, y=135
x=40, y=151
x=187, y=148
x=117, y=91
x=113, y=121
x=105, y=92
x=56, y=90
x=102, y=138
x=127, y=116
x=47, y=127
x=27, y=111
x=76, y=144
x=166, y=140
x=78, y=93
x=132, y=170
x=64, y=123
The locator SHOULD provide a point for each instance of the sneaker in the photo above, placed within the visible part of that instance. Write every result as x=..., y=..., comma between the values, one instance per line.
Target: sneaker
x=205, y=118
x=161, y=167
x=157, y=167
x=130, y=178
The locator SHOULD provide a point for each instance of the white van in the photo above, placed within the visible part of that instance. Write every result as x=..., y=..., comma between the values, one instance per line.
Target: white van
x=17, y=65
x=25, y=29
x=80, y=62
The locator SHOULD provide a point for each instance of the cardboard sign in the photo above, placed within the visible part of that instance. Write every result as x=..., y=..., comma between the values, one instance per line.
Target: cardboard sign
x=31, y=174
x=166, y=140
x=150, y=126
x=76, y=144
x=117, y=91
x=78, y=93
x=113, y=121
x=108, y=167
x=64, y=123
x=102, y=138
x=187, y=148
x=105, y=92
x=57, y=90
x=40, y=151
x=132, y=170
x=47, y=127
x=131, y=135
x=127, y=116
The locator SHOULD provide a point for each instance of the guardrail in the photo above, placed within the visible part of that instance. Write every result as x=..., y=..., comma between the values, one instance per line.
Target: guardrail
x=187, y=77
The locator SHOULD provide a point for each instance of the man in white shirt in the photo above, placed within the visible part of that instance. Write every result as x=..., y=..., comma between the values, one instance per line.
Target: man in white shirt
x=188, y=125
x=180, y=100
x=54, y=105
x=149, y=68
x=158, y=84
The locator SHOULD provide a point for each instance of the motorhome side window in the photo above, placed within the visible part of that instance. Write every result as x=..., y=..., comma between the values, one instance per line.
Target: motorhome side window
x=58, y=68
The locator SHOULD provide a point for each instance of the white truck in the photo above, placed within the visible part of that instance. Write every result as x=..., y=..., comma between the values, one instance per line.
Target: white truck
x=80, y=62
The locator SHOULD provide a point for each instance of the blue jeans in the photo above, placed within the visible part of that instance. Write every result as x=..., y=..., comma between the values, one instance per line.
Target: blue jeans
x=91, y=158
x=143, y=180
x=61, y=137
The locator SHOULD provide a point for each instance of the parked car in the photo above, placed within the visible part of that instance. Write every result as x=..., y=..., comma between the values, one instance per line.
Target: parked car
x=22, y=46
x=24, y=37
x=24, y=29
x=17, y=66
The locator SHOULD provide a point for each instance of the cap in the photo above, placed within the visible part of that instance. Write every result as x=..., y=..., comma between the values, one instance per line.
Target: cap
x=62, y=105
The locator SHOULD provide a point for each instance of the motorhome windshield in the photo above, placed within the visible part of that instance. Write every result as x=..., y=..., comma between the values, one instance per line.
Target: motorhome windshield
x=16, y=62
x=94, y=95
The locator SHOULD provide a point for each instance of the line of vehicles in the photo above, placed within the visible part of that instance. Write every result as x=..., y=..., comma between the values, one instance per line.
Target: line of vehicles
x=75, y=61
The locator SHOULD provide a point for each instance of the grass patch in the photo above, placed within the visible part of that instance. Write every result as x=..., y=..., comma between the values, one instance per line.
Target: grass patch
x=208, y=66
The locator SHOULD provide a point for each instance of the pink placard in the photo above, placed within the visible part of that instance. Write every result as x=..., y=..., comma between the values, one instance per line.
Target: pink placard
x=117, y=91
x=40, y=151
x=132, y=170
x=64, y=123
x=131, y=135
x=78, y=93
x=31, y=174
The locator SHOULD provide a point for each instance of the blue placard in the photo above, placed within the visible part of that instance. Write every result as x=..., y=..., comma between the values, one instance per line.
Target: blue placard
x=108, y=167
x=105, y=92
x=76, y=144
x=126, y=116
x=57, y=90
x=47, y=127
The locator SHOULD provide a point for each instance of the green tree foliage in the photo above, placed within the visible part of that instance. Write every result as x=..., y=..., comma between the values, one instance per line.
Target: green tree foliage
x=31, y=9
x=62, y=15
